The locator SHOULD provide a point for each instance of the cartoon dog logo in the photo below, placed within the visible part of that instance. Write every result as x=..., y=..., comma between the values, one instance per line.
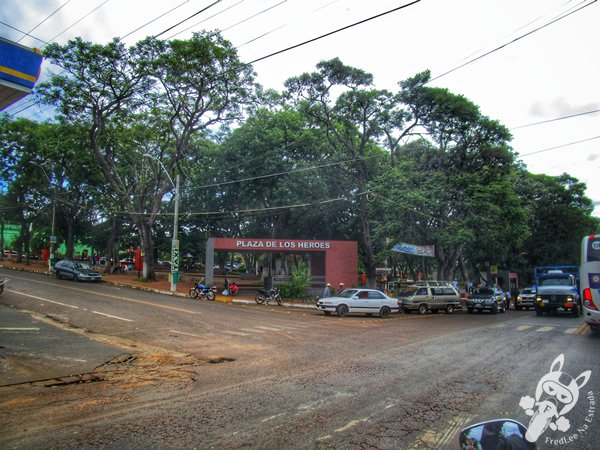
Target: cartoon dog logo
x=556, y=394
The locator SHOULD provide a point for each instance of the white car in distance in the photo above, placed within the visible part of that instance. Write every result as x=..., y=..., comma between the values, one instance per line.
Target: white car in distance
x=361, y=301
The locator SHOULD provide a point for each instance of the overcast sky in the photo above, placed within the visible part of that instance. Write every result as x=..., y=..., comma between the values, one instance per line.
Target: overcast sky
x=535, y=71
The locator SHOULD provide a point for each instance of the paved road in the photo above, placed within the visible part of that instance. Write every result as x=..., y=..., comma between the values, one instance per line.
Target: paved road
x=287, y=378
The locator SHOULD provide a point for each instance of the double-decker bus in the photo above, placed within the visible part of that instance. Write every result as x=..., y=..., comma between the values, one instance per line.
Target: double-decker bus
x=589, y=273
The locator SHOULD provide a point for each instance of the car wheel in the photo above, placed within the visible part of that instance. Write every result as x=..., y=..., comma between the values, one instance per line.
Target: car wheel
x=449, y=309
x=385, y=312
x=422, y=309
x=342, y=310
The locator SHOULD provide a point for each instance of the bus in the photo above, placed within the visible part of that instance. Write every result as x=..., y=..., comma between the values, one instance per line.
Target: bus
x=589, y=273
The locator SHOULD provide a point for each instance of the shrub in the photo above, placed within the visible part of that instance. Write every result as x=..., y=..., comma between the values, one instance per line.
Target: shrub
x=300, y=281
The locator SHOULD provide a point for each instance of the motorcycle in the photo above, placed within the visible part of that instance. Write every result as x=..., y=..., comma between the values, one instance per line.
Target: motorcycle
x=263, y=296
x=203, y=291
x=496, y=434
x=3, y=281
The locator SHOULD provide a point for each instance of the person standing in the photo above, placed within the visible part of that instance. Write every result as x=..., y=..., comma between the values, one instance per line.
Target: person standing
x=341, y=289
x=327, y=291
x=508, y=297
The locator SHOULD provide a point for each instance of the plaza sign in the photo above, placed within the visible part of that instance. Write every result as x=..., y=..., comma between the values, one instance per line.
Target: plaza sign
x=281, y=244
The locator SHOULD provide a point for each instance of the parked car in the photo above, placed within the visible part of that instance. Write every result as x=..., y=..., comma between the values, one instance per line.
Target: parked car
x=431, y=296
x=486, y=298
x=76, y=270
x=364, y=301
x=525, y=299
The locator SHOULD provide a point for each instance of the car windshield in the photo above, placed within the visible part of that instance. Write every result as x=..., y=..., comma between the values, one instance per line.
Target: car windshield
x=528, y=291
x=555, y=282
x=82, y=265
x=348, y=293
x=408, y=292
x=484, y=291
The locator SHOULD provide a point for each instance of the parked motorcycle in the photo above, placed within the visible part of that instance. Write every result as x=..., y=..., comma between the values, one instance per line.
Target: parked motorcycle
x=496, y=434
x=203, y=291
x=263, y=296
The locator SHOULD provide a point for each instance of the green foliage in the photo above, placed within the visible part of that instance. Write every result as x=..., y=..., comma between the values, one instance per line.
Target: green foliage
x=300, y=282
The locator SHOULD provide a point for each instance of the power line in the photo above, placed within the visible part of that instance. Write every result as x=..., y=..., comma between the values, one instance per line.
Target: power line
x=558, y=146
x=50, y=15
x=23, y=32
x=336, y=31
x=185, y=20
x=81, y=19
x=155, y=19
x=558, y=118
x=204, y=20
x=511, y=42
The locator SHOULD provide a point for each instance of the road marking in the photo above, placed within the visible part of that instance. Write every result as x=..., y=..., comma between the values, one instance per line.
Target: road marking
x=544, y=329
x=583, y=329
x=235, y=333
x=191, y=334
x=571, y=330
x=524, y=327
x=268, y=328
x=273, y=417
x=42, y=299
x=112, y=317
x=100, y=294
x=18, y=329
x=349, y=425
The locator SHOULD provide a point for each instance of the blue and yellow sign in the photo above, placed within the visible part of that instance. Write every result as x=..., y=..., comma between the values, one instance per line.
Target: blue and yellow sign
x=19, y=70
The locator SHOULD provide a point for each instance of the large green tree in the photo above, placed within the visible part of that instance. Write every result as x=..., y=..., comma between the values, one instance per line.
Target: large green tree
x=148, y=99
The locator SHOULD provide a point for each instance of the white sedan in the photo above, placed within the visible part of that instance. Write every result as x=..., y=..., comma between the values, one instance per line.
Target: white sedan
x=365, y=301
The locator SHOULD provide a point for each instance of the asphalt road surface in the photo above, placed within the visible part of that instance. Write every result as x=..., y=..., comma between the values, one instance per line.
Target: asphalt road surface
x=169, y=372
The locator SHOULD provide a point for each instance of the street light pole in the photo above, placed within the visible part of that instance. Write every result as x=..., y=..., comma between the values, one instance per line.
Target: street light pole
x=174, y=241
x=52, y=236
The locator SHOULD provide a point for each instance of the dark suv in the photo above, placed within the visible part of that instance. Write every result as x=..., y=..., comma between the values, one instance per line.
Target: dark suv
x=486, y=298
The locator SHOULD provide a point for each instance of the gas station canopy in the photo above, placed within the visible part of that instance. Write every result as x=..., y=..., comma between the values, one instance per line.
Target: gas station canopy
x=19, y=70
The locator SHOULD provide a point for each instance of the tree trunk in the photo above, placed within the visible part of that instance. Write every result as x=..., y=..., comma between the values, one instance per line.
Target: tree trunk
x=70, y=241
x=366, y=245
x=110, y=242
x=147, y=245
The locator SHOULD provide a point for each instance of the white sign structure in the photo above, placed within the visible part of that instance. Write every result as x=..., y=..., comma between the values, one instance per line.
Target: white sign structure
x=418, y=250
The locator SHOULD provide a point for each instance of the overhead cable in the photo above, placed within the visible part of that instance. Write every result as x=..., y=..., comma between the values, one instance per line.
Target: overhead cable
x=336, y=31
x=50, y=15
x=558, y=118
x=185, y=20
x=78, y=21
x=558, y=146
x=511, y=42
x=155, y=19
